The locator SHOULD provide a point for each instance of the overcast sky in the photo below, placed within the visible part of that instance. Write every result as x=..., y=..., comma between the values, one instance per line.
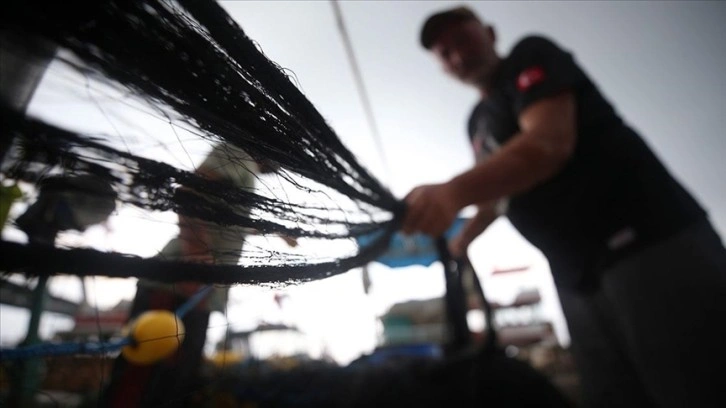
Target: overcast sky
x=660, y=63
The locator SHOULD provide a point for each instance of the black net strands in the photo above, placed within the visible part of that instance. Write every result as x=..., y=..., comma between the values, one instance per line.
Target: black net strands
x=39, y=260
x=191, y=58
x=199, y=62
x=158, y=186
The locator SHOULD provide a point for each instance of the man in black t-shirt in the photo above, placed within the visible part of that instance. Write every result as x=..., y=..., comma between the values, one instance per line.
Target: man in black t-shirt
x=640, y=271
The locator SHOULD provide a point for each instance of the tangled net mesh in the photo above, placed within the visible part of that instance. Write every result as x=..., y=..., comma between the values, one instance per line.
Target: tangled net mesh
x=191, y=68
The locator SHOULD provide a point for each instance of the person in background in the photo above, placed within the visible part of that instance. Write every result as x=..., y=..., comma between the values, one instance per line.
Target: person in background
x=640, y=271
x=198, y=241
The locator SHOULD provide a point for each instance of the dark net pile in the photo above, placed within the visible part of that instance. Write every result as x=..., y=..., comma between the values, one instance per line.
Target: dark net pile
x=191, y=61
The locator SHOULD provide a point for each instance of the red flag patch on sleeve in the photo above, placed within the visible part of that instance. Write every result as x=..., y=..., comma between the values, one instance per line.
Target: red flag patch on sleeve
x=530, y=77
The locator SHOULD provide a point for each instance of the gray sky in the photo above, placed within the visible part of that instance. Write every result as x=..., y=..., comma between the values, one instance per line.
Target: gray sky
x=660, y=63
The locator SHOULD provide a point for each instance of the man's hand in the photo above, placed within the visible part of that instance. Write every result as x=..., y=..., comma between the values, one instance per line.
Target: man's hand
x=431, y=209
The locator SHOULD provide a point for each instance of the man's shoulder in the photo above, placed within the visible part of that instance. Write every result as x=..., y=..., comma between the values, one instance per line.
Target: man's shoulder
x=533, y=43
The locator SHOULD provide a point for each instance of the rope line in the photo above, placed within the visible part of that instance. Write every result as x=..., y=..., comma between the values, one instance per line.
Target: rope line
x=61, y=349
x=360, y=84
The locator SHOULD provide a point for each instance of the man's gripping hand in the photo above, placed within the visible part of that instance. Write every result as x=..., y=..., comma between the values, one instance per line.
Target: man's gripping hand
x=431, y=209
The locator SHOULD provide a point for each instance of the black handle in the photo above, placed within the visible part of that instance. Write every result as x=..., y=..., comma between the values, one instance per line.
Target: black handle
x=456, y=301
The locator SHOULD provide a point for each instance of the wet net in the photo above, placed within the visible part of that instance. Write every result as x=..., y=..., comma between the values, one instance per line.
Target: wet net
x=190, y=66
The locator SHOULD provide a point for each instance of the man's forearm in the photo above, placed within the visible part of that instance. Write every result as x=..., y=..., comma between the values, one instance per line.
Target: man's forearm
x=518, y=166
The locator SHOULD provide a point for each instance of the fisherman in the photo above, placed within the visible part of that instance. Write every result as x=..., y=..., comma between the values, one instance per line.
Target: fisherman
x=640, y=271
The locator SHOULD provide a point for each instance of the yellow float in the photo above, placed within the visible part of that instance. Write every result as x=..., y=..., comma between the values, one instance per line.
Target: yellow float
x=155, y=335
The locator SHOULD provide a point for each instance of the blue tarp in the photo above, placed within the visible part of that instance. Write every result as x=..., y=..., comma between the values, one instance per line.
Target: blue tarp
x=415, y=249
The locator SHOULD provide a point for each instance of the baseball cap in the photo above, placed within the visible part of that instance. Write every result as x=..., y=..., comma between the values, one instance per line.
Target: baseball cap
x=436, y=22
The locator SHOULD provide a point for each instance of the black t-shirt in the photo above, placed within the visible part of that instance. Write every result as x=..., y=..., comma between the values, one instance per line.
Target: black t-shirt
x=613, y=196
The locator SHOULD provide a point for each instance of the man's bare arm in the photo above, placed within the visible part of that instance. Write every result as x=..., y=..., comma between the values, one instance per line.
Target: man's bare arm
x=546, y=141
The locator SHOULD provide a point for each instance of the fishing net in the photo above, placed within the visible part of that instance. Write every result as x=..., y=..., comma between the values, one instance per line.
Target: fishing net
x=190, y=66
x=252, y=156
